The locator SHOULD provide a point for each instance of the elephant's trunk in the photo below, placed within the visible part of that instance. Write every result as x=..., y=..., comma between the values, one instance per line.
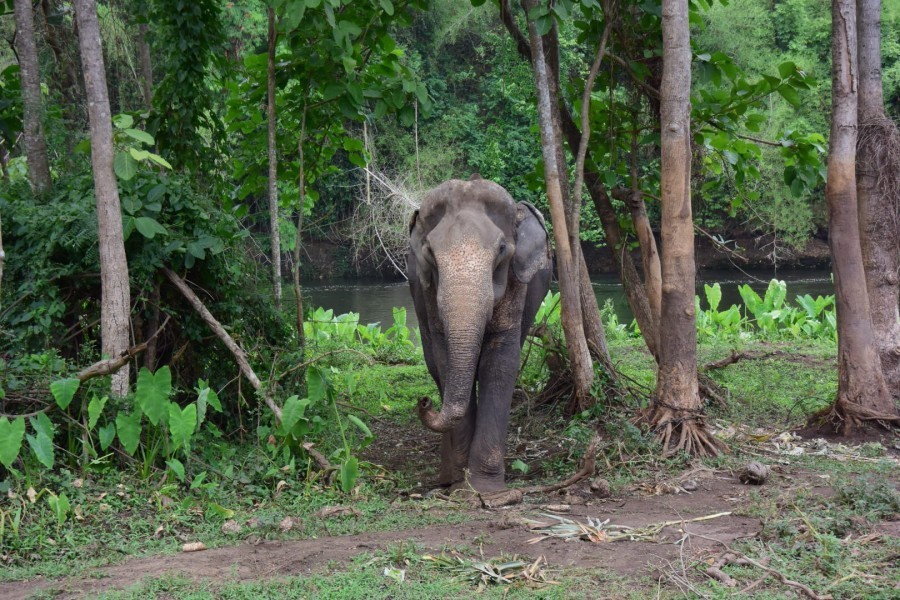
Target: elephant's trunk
x=463, y=351
x=465, y=304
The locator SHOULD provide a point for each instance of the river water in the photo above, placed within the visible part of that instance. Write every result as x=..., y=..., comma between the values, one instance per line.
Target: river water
x=374, y=299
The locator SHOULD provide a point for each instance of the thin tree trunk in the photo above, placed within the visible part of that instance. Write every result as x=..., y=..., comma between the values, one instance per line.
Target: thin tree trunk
x=115, y=292
x=878, y=192
x=152, y=326
x=273, y=166
x=646, y=239
x=631, y=282
x=298, y=242
x=676, y=411
x=33, y=128
x=579, y=356
x=146, y=66
x=862, y=392
x=2, y=260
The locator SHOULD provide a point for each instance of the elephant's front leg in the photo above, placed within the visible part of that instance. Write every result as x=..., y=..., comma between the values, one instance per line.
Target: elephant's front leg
x=497, y=372
x=455, y=446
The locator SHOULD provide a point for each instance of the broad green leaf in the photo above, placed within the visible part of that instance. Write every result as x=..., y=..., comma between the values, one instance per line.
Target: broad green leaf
x=141, y=136
x=156, y=193
x=123, y=121
x=292, y=412
x=95, y=408
x=60, y=506
x=138, y=154
x=42, y=446
x=107, y=434
x=159, y=160
x=388, y=6
x=790, y=94
x=349, y=473
x=786, y=69
x=182, y=423
x=125, y=166
x=153, y=392
x=64, y=390
x=316, y=384
x=362, y=427
x=42, y=424
x=775, y=294
x=518, y=465
x=713, y=295
x=149, y=227
x=11, y=435
x=176, y=467
x=129, y=429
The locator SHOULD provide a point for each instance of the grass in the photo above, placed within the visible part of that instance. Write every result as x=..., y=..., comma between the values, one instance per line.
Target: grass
x=814, y=535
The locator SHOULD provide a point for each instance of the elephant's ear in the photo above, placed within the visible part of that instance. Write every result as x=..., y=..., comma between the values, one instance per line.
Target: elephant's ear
x=532, y=243
x=412, y=220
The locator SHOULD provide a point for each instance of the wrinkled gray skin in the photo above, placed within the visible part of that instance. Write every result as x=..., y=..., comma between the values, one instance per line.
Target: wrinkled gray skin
x=478, y=266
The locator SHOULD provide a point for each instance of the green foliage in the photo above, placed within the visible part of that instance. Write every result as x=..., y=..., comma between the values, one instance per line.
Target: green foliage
x=64, y=390
x=153, y=390
x=11, y=435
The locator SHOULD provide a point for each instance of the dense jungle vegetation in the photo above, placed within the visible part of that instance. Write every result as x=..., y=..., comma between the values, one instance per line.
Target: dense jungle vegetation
x=244, y=139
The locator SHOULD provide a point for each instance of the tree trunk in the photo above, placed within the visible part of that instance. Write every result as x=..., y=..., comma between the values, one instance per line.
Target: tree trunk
x=862, y=392
x=676, y=411
x=33, y=128
x=115, y=292
x=573, y=329
x=878, y=193
x=298, y=242
x=273, y=166
x=634, y=289
x=646, y=239
x=146, y=66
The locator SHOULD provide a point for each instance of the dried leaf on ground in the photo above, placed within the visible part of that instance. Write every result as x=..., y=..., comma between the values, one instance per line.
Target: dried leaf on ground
x=502, y=570
x=337, y=511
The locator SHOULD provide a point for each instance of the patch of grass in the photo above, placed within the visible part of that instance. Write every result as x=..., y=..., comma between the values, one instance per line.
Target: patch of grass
x=389, y=390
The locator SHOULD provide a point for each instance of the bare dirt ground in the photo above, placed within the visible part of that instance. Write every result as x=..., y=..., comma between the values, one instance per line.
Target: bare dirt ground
x=504, y=533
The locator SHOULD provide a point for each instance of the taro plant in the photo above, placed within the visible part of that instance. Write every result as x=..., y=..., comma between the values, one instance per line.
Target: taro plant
x=713, y=322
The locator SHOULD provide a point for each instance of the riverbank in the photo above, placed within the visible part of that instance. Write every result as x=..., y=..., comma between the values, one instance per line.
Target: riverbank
x=324, y=259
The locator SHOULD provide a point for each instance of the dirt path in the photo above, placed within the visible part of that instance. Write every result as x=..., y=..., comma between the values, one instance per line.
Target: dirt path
x=502, y=534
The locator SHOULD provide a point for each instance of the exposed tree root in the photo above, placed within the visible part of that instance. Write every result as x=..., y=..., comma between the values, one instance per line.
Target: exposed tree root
x=846, y=418
x=681, y=430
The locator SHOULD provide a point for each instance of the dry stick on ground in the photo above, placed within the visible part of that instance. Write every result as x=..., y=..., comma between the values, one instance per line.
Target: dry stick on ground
x=239, y=355
x=515, y=496
x=736, y=356
x=108, y=366
x=806, y=591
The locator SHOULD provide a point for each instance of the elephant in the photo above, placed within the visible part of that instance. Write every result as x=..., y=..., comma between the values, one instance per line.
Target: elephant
x=479, y=266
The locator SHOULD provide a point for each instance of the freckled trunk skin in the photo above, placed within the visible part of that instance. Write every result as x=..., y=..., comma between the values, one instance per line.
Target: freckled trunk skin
x=878, y=194
x=862, y=392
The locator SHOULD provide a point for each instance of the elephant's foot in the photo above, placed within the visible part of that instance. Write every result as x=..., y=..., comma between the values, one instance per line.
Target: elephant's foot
x=485, y=484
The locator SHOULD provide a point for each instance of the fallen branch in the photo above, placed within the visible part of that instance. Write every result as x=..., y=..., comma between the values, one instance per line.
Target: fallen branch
x=239, y=355
x=803, y=589
x=737, y=356
x=108, y=366
x=516, y=495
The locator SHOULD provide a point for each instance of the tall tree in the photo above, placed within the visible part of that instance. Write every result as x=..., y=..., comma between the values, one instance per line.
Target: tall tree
x=862, y=392
x=114, y=285
x=878, y=194
x=676, y=411
x=273, y=163
x=33, y=130
x=146, y=66
x=567, y=268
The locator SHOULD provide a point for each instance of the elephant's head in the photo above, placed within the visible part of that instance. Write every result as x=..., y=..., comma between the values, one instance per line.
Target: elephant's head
x=467, y=240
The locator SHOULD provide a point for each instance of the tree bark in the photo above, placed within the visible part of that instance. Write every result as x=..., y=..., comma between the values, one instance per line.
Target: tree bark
x=146, y=66
x=579, y=356
x=878, y=193
x=862, y=392
x=115, y=292
x=33, y=128
x=646, y=239
x=273, y=166
x=676, y=405
x=631, y=282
